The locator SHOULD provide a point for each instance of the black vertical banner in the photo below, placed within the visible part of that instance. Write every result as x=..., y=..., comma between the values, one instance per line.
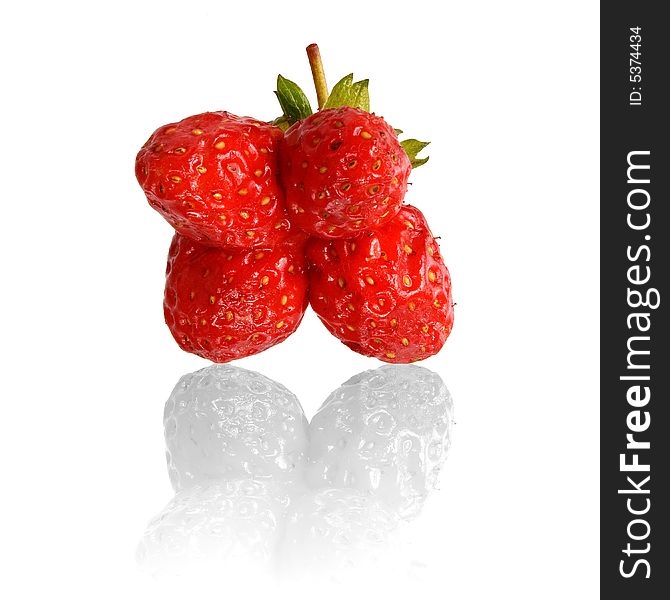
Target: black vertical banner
x=635, y=260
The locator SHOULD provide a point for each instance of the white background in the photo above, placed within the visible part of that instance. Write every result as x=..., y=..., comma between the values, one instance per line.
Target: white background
x=508, y=94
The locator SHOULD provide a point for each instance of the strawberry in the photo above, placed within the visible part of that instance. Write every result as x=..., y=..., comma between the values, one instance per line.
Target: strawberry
x=223, y=306
x=213, y=177
x=386, y=294
x=344, y=172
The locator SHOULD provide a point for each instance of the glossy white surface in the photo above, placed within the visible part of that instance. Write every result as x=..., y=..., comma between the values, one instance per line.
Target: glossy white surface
x=507, y=93
x=367, y=461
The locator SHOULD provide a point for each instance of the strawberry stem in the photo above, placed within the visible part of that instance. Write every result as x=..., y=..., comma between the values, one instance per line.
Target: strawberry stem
x=318, y=75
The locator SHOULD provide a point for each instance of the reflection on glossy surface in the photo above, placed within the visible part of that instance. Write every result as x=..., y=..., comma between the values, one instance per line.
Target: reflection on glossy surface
x=384, y=432
x=256, y=486
x=224, y=422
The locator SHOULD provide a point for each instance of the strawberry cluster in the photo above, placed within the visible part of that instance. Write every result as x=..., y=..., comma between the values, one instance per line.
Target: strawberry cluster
x=308, y=209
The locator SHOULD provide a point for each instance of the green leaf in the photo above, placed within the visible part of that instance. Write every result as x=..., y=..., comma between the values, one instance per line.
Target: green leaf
x=281, y=122
x=412, y=148
x=360, y=97
x=292, y=100
x=339, y=95
x=348, y=93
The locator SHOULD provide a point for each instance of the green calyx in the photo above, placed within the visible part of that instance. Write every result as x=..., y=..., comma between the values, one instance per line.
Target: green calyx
x=349, y=93
x=412, y=147
x=346, y=92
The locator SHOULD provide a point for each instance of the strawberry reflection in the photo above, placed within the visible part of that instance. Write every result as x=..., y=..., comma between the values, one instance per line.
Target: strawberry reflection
x=257, y=487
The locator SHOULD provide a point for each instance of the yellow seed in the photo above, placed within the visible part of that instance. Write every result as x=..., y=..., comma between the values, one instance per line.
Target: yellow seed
x=354, y=209
x=408, y=249
x=279, y=324
x=393, y=322
x=377, y=341
x=323, y=169
x=423, y=348
x=365, y=135
x=265, y=280
x=255, y=337
x=299, y=209
x=191, y=295
x=157, y=147
x=244, y=214
x=322, y=195
x=386, y=200
x=351, y=307
x=188, y=204
x=331, y=229
x=232, y=168
x=220, y=145
x=201, y=169
x=222, y=218
x=217, y=196
x=316, y=141
x=341, y=282
x=369, y=280
x=175, y=178
x=197, y=131
x=424, y=328
x=431, y=251
x=203, y=321
x=372, y=324
x=353, y=246
x=345, y=187
x=358, y=223
x=350, y=328
x=258, y=172
x=229, y=315
x=243, y=191
x=279, y=225
x=409, y=225
x=260, y=255
x=265, y=200
x=170, y=130
x=212, y=299
x=386, y=214
x=352, y=164
x=205, y=273
x=394, y=181
x=405, y=342
x=250, y=234
x=228, y=338
x=258, y=314
x=291, y=269
x=381, y=302
x=436, y=303
x=407, y=280
x=180, y=150
x=264, y=151
x=376, y=165
x=431, y=276
x=411, y=306
x=373, y=189
x=390, y=355
x=338, y=124
x=283, y=300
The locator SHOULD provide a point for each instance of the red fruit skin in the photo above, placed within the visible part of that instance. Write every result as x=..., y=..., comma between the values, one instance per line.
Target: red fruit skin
x=213, y=177
x=386, y=294
x=224, y=306
x=344, y=172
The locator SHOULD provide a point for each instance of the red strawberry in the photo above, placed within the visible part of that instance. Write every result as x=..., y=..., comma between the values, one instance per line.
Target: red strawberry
x=344, y=172
x=386, y=294
x=214, y=178
x=223, y=306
